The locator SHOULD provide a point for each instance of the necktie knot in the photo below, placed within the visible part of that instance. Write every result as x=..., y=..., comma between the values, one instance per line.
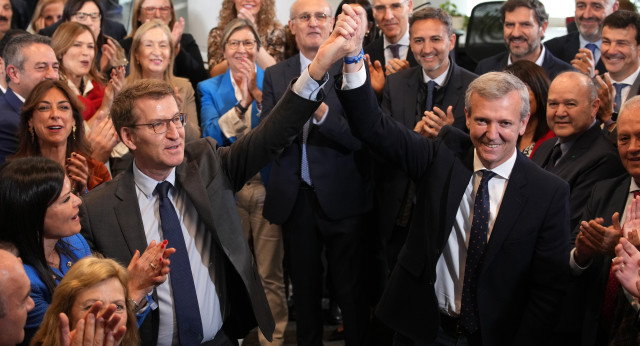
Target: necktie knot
x=636, y=193
x=486, y=176
x=592, y=47
x=395, y=50
x=162, y=189
x=620, y=86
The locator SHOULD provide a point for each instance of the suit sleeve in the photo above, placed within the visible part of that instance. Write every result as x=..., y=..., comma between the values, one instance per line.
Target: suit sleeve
x=188, y=62
x=549, y=271
x=209, y=113
x=269, y=98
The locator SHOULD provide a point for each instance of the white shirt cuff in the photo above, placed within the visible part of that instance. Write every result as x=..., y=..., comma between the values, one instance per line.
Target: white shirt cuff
x=307, y=87
x=575, y=268
x=354, y=80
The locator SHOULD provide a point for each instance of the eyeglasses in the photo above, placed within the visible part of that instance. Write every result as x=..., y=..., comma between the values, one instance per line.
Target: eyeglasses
x=162, y=126
x=152, y=9
x=81, y=16
x=235, y=44
x=395, y=7
x=305, y=17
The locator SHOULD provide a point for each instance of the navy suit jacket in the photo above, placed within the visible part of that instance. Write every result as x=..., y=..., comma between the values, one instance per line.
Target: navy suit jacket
x=552, y=65
x=10, y=106
x=525, y=269
x=565, y=48
x=399, y=99
x=590, y=159
x=375, y=50
x=339, y=165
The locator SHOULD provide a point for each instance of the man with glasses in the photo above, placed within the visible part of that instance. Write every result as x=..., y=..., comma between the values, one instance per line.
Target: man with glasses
x=524, y=24
x=319, y=190
x=184, y=193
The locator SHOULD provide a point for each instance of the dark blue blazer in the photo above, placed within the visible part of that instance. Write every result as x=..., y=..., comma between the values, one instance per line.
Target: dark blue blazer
x=10, y=106
x=590, y=159
x=552, y=65
x=525, y=268
x=338, y=163
x=565, y=48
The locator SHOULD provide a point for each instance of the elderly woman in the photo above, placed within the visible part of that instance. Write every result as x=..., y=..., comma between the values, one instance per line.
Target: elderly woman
x=39, y=215
x=152, y=56
x=537, y=82
x=262, y=14
x=75, y=49
x=231, y=104
x=51, y=126
x=188, y=60
x=46, y=13
x=90, y=13
x=91, y=280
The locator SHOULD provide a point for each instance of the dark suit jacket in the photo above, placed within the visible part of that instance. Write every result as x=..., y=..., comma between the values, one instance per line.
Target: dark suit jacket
x=10, y=106
x=552, y=65
x=399, y=100
x=111, y=28
x=210, y=175
x=590, y=159
x=338, y=164
x=607, y=197
x=375, y=50
x=525, y=267
x=565, y=48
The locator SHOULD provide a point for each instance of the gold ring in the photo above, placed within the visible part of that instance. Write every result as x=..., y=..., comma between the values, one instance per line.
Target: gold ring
x=153, y=266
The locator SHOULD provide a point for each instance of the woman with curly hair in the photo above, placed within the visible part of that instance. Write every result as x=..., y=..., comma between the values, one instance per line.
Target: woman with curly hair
x=262, y=14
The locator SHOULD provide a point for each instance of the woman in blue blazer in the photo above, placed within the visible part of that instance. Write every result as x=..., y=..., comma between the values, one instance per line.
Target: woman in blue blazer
x=40, y=219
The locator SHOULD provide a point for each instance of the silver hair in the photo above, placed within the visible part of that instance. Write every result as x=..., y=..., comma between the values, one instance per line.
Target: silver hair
x=496, y=85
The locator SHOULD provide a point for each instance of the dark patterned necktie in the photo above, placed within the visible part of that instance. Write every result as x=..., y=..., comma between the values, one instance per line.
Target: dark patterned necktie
x=556, y=154
x=185, y=301
x=431, y=85
x=475, y=252
x=395, y=50
x=618, y=98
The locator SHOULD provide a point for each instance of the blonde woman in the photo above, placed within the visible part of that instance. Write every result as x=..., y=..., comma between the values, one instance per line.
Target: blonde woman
x=46, y=13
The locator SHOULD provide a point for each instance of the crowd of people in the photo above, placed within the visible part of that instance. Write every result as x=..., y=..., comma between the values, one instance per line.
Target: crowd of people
x=149, y=198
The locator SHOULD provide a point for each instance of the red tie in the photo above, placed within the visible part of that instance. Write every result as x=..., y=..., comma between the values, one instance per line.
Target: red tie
x=610, y=294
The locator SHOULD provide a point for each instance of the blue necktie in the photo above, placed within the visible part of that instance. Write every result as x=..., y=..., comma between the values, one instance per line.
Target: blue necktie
x=304, y=164
x=592, y=47
x=431, y=85
x=475, y=252
x=185, y=301
x=618, y=98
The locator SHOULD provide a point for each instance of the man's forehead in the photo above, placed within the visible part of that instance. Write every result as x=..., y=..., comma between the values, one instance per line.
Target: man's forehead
x=38, y=52
x=155, y=108
x=311, y=6
x=3, y=2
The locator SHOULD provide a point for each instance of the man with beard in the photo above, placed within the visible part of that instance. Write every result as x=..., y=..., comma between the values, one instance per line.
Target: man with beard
x=6, y=14
x=524, y=25
x=582, y=48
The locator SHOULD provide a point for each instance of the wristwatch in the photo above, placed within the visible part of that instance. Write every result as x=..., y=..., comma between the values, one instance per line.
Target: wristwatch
x=239, y=107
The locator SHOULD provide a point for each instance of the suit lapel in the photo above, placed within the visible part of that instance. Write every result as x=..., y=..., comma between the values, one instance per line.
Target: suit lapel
x=461, y=172
x=128, y=213
x=510, y=208
x=453, y=88
x=293, y=70
x=634, y=88
x=411, y=99
x=579, y=148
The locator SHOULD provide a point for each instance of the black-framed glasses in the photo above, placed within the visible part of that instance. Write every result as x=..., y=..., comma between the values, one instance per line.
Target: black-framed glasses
x=305, y=17
x=395, y=7
x=81, y=16
x=235, y=44
x=162, y=126
x=152, y=9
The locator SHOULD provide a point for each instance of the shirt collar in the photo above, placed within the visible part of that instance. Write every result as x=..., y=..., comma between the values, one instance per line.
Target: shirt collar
x=633, y=186
x=630, y=78
x=441, y=79
x=404, y=40
x=147, y=184
x=584, y=41
x=538, y=62
x=503, y=170
x=304, y=62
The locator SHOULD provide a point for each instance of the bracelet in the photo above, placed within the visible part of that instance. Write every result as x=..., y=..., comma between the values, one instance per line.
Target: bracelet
x=239, y=107
x=354, y=59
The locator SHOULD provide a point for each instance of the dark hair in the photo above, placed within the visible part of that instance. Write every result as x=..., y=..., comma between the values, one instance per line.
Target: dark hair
x=28, y=186
x=8, y=36
x=73, y=6
x=432, y=13
x=621, y=19
x=122, y=111
x=535, y=5
x=373, y=33
x=12, y=54
x=535, y=77
x=30, y=146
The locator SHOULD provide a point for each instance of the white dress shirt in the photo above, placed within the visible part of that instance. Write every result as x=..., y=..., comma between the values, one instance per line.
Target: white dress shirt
x=402, y=52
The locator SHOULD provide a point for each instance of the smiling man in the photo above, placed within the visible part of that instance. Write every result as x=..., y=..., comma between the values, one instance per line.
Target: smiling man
x=436, y=86
x=590, y=15
x=485, y=258
x=15, y=301
x=524, y=25
x=581, y=154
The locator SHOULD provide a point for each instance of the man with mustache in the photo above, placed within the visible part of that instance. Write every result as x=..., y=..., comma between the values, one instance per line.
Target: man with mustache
x=6, y=14
x=318, y=189
x=29, y=59
x=524, y=25
x=582, y=48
